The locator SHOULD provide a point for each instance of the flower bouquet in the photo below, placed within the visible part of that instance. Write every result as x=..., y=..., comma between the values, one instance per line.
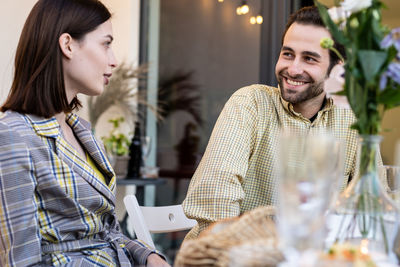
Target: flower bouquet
x=372, y=86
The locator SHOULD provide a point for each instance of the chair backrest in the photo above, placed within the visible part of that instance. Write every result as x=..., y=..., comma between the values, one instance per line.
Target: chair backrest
x=164, y=219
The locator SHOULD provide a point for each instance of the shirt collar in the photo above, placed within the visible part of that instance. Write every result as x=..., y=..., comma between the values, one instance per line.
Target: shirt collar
x=289, y=106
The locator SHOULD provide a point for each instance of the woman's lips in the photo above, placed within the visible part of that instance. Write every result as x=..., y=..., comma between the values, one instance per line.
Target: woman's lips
x=107, y=78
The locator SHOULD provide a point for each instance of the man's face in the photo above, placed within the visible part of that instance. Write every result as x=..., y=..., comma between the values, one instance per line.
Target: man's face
x=303, y=64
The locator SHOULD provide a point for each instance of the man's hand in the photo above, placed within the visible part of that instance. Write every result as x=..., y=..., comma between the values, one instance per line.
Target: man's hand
x=156, y=261
x=335, y=84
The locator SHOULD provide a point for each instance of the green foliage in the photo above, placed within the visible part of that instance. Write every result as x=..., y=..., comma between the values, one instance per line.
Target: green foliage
x=367, y=61
x=117, y=143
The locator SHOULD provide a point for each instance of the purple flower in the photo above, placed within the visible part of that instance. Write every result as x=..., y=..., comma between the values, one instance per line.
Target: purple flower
x=393, y=72
x=383, y=81
x=393, y=38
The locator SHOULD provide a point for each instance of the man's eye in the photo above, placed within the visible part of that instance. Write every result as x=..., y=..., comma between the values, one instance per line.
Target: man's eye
x=310, y=59
x=287, y=54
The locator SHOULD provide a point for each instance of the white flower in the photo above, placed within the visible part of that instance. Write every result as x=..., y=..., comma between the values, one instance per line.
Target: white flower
x=334, y=84
x=355, y=5
x=338, y=14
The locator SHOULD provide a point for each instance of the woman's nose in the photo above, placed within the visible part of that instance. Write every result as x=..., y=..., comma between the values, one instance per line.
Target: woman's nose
x=113, y=60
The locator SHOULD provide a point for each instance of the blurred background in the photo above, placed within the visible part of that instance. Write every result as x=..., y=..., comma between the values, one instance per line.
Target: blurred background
x=196, y=53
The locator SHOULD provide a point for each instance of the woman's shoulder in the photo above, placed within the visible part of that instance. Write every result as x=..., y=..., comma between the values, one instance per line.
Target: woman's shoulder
x=17, y=124
x=12, y=119
x=12, y=128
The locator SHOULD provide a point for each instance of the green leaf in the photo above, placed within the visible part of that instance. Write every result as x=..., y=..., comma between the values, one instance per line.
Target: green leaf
x=391, y=53
x=371, y=62
x=389, y=97
x=333, y=28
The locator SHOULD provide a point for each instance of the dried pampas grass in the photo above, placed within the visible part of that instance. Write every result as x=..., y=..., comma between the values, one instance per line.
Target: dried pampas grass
x=122, y=91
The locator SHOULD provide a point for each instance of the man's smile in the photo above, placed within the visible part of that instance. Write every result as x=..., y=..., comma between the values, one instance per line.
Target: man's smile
x=292, y=82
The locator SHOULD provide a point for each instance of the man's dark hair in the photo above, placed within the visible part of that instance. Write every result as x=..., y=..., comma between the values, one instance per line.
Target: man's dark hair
x=38, y=85
x=310, y=16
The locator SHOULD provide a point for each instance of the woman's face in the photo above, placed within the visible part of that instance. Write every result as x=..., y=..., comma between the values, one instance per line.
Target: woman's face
x=88, y=68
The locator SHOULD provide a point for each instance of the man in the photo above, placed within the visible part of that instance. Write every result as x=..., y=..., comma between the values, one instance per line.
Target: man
x=236, y=173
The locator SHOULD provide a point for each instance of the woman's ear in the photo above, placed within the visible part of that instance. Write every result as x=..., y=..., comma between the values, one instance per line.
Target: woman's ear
x=66, y=44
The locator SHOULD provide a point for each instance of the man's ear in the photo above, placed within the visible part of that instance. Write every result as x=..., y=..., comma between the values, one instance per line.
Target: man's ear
x=66, y=44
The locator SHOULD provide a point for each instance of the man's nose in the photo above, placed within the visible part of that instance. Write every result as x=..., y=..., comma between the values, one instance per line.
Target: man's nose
x=295, y=68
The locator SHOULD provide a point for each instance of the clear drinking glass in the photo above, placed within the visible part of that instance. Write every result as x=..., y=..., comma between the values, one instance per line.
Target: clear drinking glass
x=146, y=170
x=146, y=147
x=309, y=169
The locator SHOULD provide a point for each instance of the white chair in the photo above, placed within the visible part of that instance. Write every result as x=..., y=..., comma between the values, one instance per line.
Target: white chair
x=163, y=219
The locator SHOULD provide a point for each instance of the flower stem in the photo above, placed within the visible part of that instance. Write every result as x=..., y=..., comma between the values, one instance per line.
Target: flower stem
x=337, y=53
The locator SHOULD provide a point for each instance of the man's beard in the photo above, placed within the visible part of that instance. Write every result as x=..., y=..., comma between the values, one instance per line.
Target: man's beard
x=314, y=89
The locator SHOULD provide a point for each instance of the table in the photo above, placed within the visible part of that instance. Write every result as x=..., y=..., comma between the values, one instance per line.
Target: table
x=140, y=184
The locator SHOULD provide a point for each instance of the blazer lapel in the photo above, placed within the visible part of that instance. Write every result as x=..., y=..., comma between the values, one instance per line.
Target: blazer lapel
x=51, y=129
x=95, y=149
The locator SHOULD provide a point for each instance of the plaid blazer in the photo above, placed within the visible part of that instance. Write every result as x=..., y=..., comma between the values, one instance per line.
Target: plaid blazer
x=54, y=210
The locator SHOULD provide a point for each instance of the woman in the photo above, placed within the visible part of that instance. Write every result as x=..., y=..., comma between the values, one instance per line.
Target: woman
x=56, y=185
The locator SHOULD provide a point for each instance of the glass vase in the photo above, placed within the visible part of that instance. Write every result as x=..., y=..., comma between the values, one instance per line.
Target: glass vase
x=364, y=217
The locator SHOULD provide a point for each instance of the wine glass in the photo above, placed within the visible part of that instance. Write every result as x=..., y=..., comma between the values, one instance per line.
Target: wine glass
x=146, y=147
x=308, y=167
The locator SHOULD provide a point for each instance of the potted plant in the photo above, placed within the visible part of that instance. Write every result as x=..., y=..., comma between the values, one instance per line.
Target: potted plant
x=179, y=92
x=117, y=147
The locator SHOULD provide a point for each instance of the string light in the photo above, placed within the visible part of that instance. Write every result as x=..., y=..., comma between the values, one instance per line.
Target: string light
x=256, y=19
x=243, y=8
x=259, y=19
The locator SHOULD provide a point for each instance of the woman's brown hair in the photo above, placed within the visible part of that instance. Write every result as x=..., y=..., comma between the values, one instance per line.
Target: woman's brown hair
x=38, y=84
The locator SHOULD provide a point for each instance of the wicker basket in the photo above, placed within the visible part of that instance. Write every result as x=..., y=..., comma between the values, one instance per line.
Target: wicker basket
x=248, y=240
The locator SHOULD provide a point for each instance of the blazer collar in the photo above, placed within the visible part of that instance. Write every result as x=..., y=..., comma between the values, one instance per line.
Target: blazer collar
x=51, y=129
x=45, y=127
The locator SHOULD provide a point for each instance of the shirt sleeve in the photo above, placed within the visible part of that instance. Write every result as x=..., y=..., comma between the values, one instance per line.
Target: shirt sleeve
x=216, y=189
x=19, y=231
x=139, y=252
